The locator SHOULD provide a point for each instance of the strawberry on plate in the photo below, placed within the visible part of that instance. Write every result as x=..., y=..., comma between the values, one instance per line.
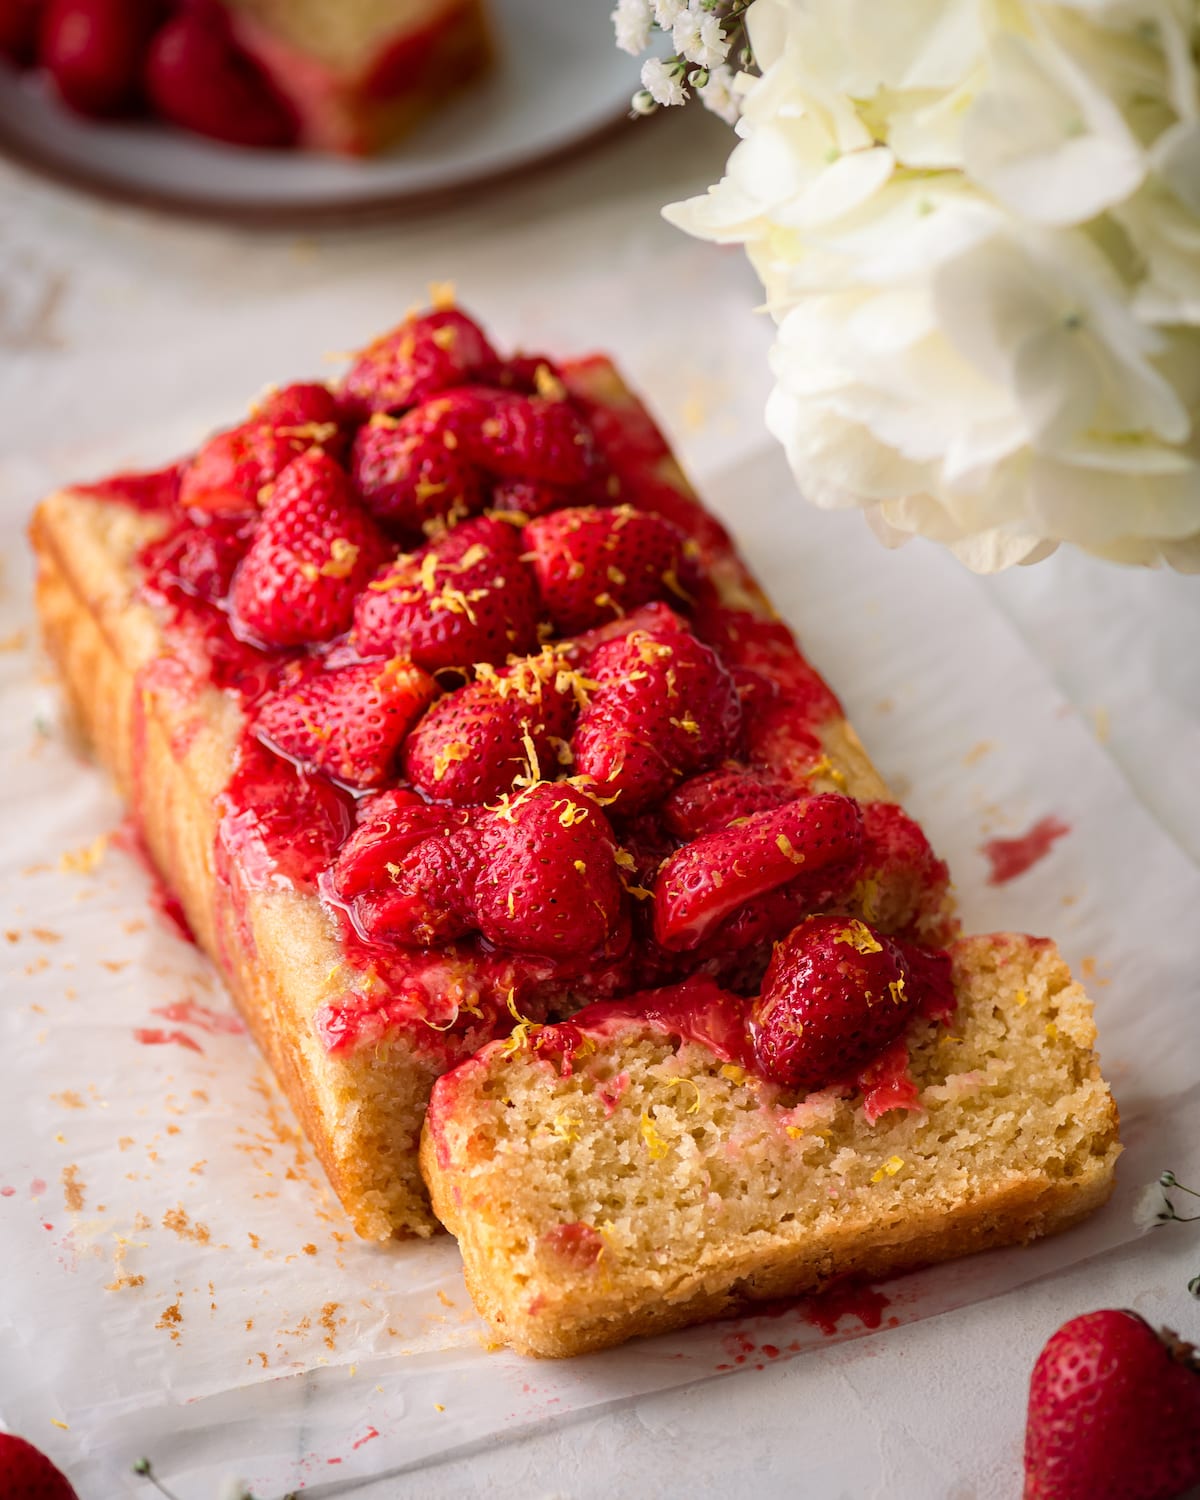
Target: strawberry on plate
x=596, y=563
x=27, y=1474
x=314, y=549
x=1114, y=1412
x=349, y=722
x=199, y=79
x=465, y=598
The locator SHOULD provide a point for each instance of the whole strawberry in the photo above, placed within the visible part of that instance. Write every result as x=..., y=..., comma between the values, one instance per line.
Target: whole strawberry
x=27, y=1474
x=349, y=722
x=196, y=77
x=232, y=470
x=718, y=874
x=409, y=479
x=314, y=549
x=1114, y=1412
x=836, y=993
x=595, y=563
x=426, y=354
x=93, y=50
x=462, y=599
x=471, y=746
x=905, y=880
x=662, y=708
x=547, y=879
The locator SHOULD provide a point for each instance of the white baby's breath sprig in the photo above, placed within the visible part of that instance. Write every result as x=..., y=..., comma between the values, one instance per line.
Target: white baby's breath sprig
x=708, y=37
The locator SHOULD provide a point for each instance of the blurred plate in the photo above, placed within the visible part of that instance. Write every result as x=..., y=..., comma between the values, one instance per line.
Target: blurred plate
x=560, y=84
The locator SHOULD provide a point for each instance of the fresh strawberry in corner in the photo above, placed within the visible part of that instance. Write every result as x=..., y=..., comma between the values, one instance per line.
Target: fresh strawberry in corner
x=473, y=745
x=547, y=880
x=231, y=471
x=462, y=599
x=410, y=480
x=709, y=880
x=662, y=708
x=27, y=1474
x=595, y=563
x=835, y=995
x=426, y=354
x=349, y=722
x=1114, y=1412
x=93, y=50
x=197, y=77
x=314, y=549
x=718, y=798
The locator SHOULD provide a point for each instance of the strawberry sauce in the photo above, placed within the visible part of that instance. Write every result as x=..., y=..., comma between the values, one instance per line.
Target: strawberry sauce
x=1012, y=857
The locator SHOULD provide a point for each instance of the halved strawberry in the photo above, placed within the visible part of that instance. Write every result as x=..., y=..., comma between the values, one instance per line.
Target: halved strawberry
x=314, y=549
x=231, y=471
x=718, y=874
x=349, y=722
x=93, y=51
x=718, y=798
x=405, y=873
x=465, y=598
x=473, y=745
x=425, y=354
x=547, y=878
x=410, y=479
x=835, y=995
x=596, y=563
x=662, y=708
x=198, y=78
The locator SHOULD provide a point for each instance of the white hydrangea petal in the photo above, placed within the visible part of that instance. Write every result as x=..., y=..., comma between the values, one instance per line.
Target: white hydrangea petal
x=1045, y=141
x=840, y=188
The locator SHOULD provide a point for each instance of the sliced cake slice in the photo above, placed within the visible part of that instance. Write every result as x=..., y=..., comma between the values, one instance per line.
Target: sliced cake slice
x=638, y=1169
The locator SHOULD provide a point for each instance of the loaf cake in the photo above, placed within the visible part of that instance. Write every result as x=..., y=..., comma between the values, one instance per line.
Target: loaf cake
x=631, y=1171
x=434, y=695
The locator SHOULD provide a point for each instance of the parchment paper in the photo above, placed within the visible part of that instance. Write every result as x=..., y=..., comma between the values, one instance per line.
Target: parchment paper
x=178, y=1279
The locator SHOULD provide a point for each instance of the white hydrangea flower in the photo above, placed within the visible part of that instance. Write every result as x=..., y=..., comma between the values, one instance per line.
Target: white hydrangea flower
x=663, y=82
x=631, y=22
x=978, y=227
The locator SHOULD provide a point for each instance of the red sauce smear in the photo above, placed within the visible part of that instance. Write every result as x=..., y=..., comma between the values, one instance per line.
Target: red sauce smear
x=7, y=1192
x=164, y=900
x=156, y=1036
x=850, y=1299
x=1012, y=857
x=195, y=1014
x=371, y=1432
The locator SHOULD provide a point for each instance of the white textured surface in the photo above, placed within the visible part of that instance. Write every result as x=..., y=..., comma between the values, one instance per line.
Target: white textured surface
x=111, y=324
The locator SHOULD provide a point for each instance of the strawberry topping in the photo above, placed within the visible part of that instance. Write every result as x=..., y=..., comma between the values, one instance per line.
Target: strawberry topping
x=718, y=874
x=472, y=746
x=313, y=551
x=464, y=598
x=718, y=798
x=836, y=993
x=424, y=355
x=232, y=470
x=594, y=564
x=411, y=480
x=349, y=722
x=663, y=707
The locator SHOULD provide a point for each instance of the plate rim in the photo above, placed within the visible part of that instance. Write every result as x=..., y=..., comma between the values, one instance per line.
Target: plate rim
x=382, y=204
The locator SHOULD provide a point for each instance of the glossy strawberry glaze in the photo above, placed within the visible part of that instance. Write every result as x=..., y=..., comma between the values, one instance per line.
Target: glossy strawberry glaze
x=282, y=825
